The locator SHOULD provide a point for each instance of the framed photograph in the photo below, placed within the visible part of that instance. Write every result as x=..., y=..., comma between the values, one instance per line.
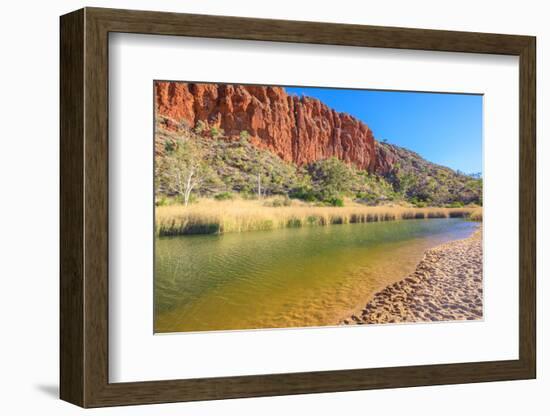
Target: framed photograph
x=255, y=207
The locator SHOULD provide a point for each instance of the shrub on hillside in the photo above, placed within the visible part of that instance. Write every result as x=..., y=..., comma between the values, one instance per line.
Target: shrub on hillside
x=223, y=196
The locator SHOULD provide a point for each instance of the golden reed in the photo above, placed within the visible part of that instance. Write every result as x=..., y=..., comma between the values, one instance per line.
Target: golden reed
x=217, y=217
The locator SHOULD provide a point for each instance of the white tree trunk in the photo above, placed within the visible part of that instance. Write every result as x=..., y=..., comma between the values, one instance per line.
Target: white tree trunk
x=179, y=185
x=188, y=187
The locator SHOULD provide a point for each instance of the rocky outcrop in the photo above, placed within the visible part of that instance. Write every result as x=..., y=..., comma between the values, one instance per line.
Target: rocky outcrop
x=297, y=129
x=385, y=159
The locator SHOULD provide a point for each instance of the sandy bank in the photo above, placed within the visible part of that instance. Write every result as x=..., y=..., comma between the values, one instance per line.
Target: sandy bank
x=446, y=285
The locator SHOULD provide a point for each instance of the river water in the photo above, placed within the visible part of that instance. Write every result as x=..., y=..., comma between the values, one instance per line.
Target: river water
x=294, y=277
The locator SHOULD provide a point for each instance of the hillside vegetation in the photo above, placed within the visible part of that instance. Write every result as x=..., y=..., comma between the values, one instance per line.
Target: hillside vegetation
x=424, y=183
x=193, y=163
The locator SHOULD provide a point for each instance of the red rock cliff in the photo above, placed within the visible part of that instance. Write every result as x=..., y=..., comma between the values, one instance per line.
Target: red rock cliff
x=297, y=129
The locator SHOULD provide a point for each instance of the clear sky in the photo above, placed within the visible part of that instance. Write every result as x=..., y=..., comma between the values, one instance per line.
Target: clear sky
x=443, y=128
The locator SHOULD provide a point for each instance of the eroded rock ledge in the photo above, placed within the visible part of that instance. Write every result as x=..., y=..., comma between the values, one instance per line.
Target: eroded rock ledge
x=297, y=129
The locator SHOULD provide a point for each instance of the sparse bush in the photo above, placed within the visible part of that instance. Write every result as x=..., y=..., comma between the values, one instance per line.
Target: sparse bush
x=223, y=196
x=304, y=193
x=244, y=136
x=183, y=124
x=216, y=132
x=419, y=204
x=336, y=202
x=200, y=127
x=180, y=200
x=162, y=201
x=278, y=202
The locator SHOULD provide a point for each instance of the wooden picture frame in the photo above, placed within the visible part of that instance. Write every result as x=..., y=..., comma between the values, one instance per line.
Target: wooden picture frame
x=84, y=207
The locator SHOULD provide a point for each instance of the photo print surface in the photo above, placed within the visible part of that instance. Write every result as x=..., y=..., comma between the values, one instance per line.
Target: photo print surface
x=292, y=207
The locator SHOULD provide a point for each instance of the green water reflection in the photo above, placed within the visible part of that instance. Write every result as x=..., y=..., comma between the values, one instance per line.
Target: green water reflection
x=289, y=277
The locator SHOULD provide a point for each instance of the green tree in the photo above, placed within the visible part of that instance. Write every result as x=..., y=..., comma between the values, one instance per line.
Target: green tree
x=406, y=183
x=183, y=170
x=332, y=178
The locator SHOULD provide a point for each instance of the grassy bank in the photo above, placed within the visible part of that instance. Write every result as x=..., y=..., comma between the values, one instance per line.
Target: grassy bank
x=217, y=217
x=476, y=214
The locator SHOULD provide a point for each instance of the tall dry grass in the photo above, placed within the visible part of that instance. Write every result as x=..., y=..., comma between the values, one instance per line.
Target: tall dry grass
x=476, y=214
x=217, y=217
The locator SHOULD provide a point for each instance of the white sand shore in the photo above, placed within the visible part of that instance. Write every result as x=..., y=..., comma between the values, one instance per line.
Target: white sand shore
x=446, y=285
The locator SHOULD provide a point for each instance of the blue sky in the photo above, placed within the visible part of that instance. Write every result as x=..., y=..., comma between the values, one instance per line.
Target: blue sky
x=443, y=128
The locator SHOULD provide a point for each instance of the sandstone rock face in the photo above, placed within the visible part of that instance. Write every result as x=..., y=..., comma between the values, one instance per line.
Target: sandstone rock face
x=385, y=159
x=297, y=129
